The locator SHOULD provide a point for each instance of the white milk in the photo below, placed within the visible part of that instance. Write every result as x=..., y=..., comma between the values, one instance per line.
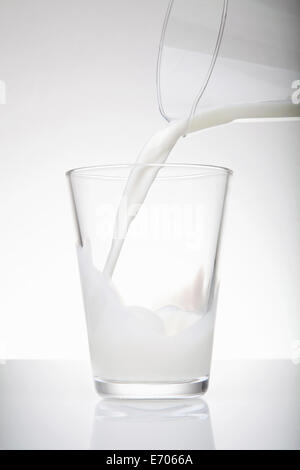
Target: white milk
x=130, y=343
x=174, y=345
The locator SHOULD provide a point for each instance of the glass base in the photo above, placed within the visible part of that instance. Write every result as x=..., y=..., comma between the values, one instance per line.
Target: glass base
x=152, y=390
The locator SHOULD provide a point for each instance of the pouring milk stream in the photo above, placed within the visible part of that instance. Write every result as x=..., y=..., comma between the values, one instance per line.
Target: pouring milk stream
x=161, y=144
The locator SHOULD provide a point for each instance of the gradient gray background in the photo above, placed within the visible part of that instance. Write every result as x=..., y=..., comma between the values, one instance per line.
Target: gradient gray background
x=80, y=79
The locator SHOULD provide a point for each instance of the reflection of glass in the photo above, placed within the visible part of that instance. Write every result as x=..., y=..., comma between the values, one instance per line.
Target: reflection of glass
x=220, y=52
x=167, y=424
x=151, y=328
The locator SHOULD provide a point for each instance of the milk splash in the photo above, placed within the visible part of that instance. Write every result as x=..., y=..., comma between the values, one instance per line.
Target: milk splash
x=132, y=343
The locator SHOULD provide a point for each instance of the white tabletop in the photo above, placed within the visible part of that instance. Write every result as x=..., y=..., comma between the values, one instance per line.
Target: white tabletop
x=53, y=405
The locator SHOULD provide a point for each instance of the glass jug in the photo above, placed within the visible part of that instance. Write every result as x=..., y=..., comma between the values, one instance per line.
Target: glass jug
x=218, y=52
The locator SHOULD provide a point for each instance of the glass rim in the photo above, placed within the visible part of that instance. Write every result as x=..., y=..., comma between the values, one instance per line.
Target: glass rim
x=88, y=171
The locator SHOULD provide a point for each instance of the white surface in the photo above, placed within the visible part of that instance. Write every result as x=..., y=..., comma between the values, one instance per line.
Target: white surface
x=74, y=70
x=52, y=405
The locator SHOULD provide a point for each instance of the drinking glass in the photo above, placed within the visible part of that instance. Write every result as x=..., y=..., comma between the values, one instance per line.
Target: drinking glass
x=150, y=322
